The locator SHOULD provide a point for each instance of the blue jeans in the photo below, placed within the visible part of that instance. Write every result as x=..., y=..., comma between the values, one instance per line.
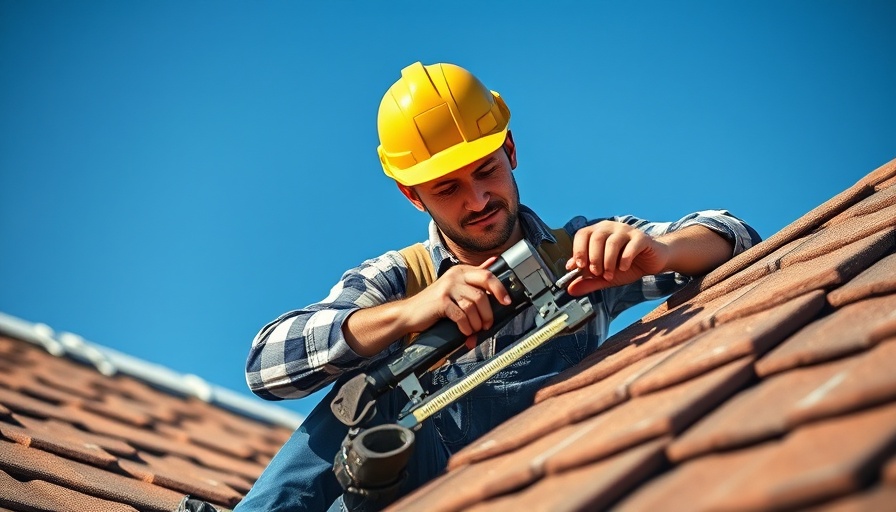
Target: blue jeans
x=300, y=477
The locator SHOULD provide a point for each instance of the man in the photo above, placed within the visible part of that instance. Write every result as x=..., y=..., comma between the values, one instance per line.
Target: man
x=445, y=141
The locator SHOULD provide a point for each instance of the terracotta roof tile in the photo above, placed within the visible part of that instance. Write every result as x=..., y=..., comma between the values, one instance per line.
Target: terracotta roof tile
x=187, y=468
x=879, y=279
x=855, y=327
x=665, y=412
x=818, y=462
x=824, y=272
x=751, y=336
x=44, y=496
x=756, y=414
x=66, y=446
x=701, y=291
x=66, y=431
x=546, y=416
x=157, y=472
x=884, y=199
x=878, y=498
x=765, y=385
x=642, y=340
x=868, y=379
x=836, y=235
x=72, y=438
x=587, y=488
x=36, y=464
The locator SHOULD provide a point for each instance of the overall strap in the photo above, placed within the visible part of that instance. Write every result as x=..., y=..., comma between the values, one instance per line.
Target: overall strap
x=421, y=273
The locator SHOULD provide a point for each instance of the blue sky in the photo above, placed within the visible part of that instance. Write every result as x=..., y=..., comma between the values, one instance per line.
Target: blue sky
x=173, y=175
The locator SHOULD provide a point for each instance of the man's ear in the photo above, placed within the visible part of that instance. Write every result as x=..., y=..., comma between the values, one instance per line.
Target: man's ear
x=510, y=149
x=412, y=196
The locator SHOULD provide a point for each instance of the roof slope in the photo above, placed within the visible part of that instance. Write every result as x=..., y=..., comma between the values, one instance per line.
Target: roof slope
x=767, y=384
x=72, y=438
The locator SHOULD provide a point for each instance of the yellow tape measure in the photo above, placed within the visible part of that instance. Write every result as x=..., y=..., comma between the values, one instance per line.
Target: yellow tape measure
x=484, y=372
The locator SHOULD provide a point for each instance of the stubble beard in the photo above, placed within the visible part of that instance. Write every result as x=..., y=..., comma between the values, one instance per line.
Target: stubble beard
x=495, y=236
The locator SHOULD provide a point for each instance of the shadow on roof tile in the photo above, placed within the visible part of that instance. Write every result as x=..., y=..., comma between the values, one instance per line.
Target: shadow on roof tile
x=880, y=279
x=786, y=400
x=634, y=343
x=593, y=487
x=549, y=415
x=47, y=497
x=824, y=272
x=750, y=336
x=878, y=498
x=833, y=237
x=850, y=329
x=814, y=463
x=651, y=416
x=36, y=464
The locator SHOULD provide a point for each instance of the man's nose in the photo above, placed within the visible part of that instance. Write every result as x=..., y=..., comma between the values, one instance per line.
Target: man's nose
x=478, y=198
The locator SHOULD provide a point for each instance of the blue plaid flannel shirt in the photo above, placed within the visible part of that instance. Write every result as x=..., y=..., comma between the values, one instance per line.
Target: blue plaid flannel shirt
x=304, y=350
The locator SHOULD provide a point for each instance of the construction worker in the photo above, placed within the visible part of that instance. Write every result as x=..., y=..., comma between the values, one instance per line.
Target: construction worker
x=445, y=140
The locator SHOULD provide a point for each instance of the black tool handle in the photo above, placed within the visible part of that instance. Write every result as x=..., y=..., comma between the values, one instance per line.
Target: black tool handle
x=433, y=345
x=353, y=404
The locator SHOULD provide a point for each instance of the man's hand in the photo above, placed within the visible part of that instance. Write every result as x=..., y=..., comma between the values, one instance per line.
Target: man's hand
x=614, y=253
x=461, y=295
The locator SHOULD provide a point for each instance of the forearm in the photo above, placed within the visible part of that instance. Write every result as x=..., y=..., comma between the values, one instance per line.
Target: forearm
x=369, y=331
x=695, y=250
x=304, y=350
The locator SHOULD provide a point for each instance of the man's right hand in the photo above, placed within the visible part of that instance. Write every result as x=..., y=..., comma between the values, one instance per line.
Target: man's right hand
x=460, y=294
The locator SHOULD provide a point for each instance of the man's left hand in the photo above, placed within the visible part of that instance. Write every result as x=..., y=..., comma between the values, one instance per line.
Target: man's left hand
x=612, y=254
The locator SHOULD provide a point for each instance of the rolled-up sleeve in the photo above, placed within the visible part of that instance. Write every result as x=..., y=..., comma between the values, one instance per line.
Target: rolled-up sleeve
x=304, y=350
x=741, y=235
x=616, y=300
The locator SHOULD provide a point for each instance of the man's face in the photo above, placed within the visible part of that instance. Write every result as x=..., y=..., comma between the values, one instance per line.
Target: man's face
x=475, y=207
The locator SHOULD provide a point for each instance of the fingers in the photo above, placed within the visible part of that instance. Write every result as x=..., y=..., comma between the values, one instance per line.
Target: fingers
x=474, y=307
x=465, y=295
x=606, y=249
x=585, y=285
x=457, y=315
x=484, y=280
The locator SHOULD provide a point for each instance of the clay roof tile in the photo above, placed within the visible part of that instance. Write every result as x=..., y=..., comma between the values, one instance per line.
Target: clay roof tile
x=765, y=385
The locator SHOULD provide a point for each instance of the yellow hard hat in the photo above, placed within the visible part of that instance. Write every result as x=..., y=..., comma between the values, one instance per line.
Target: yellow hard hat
x=436, y=119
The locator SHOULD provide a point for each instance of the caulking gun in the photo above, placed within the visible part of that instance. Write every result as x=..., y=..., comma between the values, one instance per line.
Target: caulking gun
x=371, y=461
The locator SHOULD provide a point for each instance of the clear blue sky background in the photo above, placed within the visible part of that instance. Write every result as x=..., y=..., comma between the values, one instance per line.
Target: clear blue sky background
x=177, y=174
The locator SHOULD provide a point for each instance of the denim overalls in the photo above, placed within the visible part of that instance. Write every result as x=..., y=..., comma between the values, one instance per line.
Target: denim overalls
x=300, y=477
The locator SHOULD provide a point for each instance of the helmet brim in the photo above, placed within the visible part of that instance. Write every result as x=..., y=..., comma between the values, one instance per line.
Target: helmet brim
x=447, y=161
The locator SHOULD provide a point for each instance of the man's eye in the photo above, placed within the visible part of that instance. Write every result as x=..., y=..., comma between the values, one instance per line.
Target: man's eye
x=486, y=173
x=447, y=191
